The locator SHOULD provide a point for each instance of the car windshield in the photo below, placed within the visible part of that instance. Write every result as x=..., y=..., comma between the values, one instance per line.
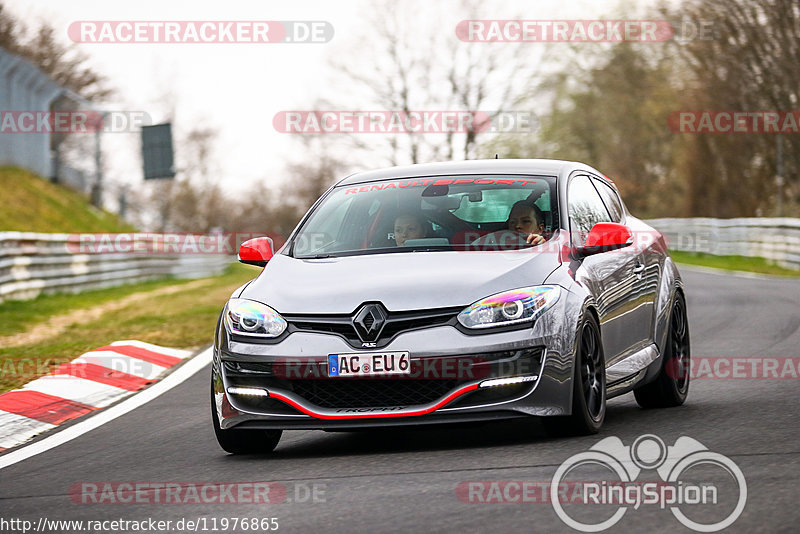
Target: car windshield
x=490, y=212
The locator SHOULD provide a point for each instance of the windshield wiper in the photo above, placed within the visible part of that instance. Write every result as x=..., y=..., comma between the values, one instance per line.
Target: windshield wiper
x=428, y=249
x=368, y=252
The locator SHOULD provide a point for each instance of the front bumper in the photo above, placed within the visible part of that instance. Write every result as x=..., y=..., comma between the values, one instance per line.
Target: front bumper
x=450, y=368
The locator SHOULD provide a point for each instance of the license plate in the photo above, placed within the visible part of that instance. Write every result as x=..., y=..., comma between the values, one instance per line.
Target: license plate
x=369, y=364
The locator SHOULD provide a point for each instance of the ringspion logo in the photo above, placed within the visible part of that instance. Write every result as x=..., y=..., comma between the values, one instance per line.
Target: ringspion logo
x=675, y=490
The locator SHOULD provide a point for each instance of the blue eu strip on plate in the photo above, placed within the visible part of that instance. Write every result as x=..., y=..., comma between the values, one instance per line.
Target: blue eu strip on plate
x=333, y=365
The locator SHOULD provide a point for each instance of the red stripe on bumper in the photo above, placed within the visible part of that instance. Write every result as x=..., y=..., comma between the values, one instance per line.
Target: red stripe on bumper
x=450, y=397
x=42, y=407
x=104, y=375
x=143, y=354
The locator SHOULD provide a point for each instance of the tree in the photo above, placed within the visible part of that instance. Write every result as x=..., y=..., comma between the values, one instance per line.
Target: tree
x=614, y=112
x=314, y=174
x=751, y=64
x=197, y=201
x=613, y=116
x=401, y=72
x=10, y=30
x=65, y=64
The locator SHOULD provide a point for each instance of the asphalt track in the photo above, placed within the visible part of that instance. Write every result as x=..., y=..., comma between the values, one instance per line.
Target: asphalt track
x=385, y=481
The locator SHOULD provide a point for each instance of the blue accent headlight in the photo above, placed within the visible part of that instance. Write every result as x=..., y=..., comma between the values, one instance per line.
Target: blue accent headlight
x=250, y=318
x=510, y=307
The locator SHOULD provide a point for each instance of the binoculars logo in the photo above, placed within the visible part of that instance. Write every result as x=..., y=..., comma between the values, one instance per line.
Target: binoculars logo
x=647, y=453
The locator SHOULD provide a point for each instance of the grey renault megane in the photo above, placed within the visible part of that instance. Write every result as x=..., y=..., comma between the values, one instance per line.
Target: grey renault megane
x=451, y=293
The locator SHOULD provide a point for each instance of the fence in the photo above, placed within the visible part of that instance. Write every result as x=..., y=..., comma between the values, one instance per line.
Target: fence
x=776, y=239
x=32, y=263
x=24, y=87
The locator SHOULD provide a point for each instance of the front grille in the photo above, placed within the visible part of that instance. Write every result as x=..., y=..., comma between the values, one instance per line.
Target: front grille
x=396, y=323
x=371, y=393
x=251, y=403
x=248, y=368
x=326, y=326
x=492, y=395
x=433, y=378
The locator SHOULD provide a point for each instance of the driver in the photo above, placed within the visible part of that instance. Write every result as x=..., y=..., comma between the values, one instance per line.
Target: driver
x=525, y=225
x=409, y=226
x=526, y=218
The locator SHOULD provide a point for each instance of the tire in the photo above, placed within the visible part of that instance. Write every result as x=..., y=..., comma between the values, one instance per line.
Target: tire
x=671, y=386
x=589, y=386
x=243, y=441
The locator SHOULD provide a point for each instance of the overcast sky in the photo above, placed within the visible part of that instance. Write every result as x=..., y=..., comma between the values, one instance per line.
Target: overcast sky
x=238, y=88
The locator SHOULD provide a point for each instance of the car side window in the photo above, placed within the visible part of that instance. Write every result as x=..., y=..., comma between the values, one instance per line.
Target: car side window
x=610, y=199
x=585, y=207
x=329, y=230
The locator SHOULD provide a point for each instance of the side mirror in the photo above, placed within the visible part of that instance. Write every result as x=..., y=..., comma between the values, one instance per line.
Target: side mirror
x=606, y=236
x=256, y=251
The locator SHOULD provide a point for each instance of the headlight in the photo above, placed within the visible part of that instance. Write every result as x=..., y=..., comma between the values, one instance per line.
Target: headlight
x=510, y=307
x=251, y=318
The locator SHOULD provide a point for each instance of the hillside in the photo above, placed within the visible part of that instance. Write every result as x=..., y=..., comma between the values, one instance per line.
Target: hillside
x=30, y=204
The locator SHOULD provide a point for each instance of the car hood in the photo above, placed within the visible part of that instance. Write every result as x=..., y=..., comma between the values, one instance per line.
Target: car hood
x=401, y=281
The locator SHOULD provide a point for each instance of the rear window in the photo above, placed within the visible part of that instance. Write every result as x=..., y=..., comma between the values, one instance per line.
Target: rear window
x=495, y=205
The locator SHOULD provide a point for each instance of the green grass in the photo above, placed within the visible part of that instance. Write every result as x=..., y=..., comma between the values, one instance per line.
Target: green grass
x=32, y=204
x=184, y=319
x=732, y=263
x=19, y=315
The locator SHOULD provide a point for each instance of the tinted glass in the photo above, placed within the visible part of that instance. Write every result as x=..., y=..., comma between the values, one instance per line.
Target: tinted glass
x=439, y=213
x=610, y=199
x=585, y=207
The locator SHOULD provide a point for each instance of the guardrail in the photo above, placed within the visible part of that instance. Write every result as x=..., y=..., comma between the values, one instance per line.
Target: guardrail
x=32, y=263
x=776, y=239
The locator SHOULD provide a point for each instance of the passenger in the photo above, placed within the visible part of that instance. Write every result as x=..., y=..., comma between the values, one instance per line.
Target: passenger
x=409, y=226
x=526, y=218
